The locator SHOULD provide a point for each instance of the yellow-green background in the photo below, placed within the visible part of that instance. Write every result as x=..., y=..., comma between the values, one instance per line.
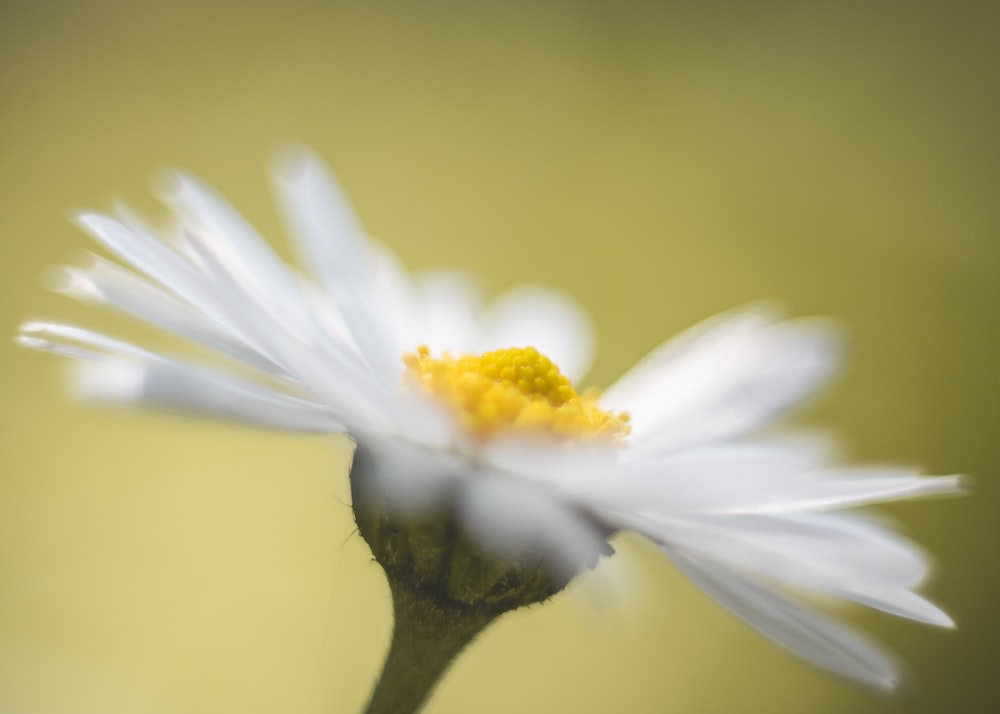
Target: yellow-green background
x=661, y=161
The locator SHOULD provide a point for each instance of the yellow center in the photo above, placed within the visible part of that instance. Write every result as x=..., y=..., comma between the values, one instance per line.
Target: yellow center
x=517, y=389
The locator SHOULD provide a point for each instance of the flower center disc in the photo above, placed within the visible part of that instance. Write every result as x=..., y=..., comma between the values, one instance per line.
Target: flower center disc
x=514, y=390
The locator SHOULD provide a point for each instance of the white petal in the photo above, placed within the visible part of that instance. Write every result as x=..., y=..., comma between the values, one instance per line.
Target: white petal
x=175, y=386
x=733, y=374
x=509, y=517
x=221, y=303
x=817, y=639
x=368, y=286
x=218, y=257
x=40, y=343
x=408, y=478
x=117, y=371
x=551, y=464
x=778, y=450
x=426, y=420
x=330, y=371
x=351, y=401
x=282, y=326
x=847, y=549
x=728, y=328
x=104, y=282
x=543, y=318
x=346, y=389
x=55, y=333
x=329, y=320
x=755, y=480
x=246, y=255
x=449, y=302
x=157, y=260
x=702, y=479
x=904, y=603
x=169, y=231
x=836, y=555
x=329, y=234
x=847, y=488
x=391, y=306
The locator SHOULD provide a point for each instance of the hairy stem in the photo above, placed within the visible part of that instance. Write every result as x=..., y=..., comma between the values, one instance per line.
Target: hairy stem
x=427, y=636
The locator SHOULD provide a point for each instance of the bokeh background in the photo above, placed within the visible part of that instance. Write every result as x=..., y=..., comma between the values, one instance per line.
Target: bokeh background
x=660, y=161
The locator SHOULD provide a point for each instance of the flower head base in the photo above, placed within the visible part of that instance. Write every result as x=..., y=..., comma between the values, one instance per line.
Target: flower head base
x=515, y=390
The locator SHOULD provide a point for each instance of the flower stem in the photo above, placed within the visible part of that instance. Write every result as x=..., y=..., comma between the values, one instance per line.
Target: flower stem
x=427, y=635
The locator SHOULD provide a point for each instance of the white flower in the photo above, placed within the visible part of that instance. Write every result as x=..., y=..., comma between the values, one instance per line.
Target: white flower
x=754, y=519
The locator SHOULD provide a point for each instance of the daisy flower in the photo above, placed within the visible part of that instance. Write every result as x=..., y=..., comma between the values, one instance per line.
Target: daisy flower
x=483, y=479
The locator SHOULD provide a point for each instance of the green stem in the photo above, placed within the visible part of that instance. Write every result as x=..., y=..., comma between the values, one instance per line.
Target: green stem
x=427, y=635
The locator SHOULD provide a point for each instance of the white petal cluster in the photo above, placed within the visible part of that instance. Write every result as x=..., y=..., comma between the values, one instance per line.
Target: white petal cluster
x=754, y=518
